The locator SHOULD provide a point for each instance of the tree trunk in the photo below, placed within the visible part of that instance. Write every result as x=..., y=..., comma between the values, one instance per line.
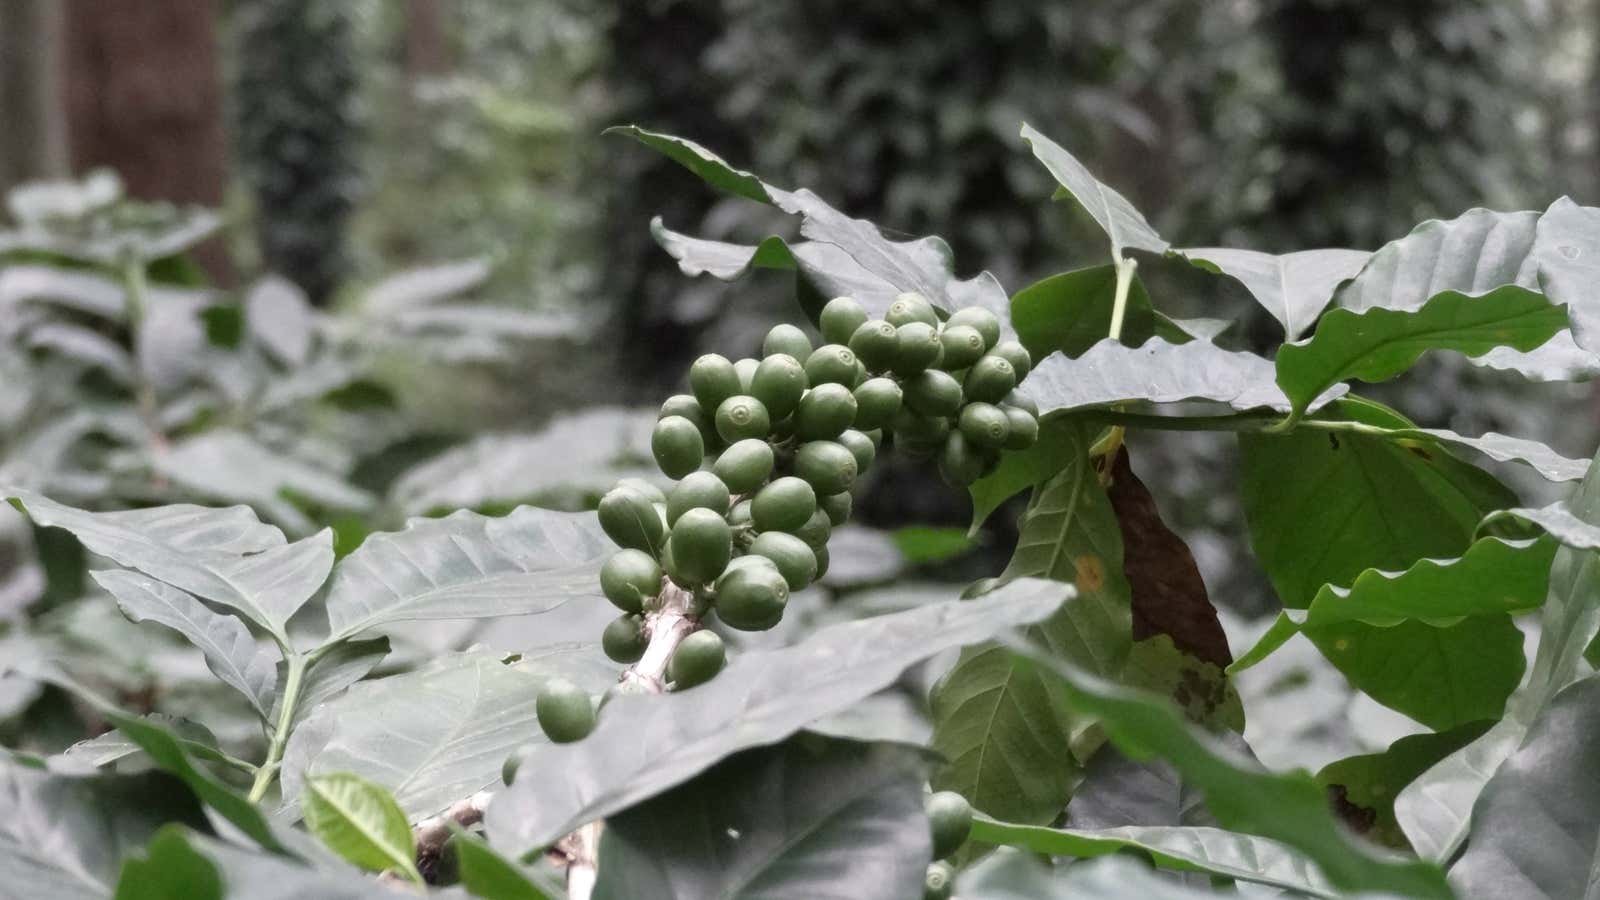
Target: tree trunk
x=33, y=143
x=427, y=52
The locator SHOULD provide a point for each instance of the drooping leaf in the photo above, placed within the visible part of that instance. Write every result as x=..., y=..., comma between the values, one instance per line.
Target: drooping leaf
x=702, y=162
x=468, y=566
x=1435, y=811
x=361, y=822
x=1156, y=372
x=1365, y=786
x=644, y=745
x=1378, y=343
x=1290, y=808
x=487, y=874
x=1566, y=249
x=169, y=868
x=1202, y=689
x=851, y=825
x=1124, y=225
x=112, y=746
x=430, y=737
x=231, y=653
x=248, y=875
x=1293, y=287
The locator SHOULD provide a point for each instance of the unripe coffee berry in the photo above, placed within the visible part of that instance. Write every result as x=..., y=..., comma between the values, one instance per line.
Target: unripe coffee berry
x=786, y=338
x=840, y=319
x=832, y=363
x=677, y=446
x=740, y=417
x=712, y=379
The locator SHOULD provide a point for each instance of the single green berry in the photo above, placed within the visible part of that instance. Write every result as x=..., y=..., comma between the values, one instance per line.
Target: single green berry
x=877, y=400
x=840, y=319
x=985, y=424
x=990, y=379
x=683, y=405
x=508, y=769
x=837, y=507
x=678, y=446
x=744, y=466
x=746, y=370
x=623, y=639
x=1022, y=427
x=822, y=562
x=697, y=490
x=643, y=488
x=950, y=819
x=697, y=659
x=827, y=466
x=740, y=514
x=787, y=339
x=963, y=346
x=860, y=446
x=831, y=363
x=911, y=307
x=979, y=319
x=712, y=379
x=918, y=348
x=779, y=382
x=751, y=597
x=793, y=557
x=631, y=521
x=1016, y=354
x=960, y=463
x=565, y=712
x=875, y=344
x=783, y=505
x=629, y=578
x=933, y=393
x=816, y=530
x=825, y=410
x=1021, y=401
x=939, y=883
x=740, y=417
x=701, y=545
x=908, y=426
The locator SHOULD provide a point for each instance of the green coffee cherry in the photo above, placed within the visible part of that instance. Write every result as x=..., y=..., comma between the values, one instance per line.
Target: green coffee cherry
x=990, y=379
x=985, y=425
x=783, y=505
x=742, y=416
x=939, y=883
x=1016, y=354
x=827, y=466
x=933, y=393
x=697, y=490
x=683, y=405
x=960, y=463
x=629, y=578
x=565, y=712
x=779, y=382
x=911, y=307
x=751, y=597
x=712, y=379
x=740, y=514
x=963, y=346
x=643, y=488
x=860, y=446
x=840, y=319
x=746, y=370
x=877, y=400
x=980, y=320
x=697, y=659
x=822, y=562
x=508, y=769
x=831, y=363
x=744, y=466
x=701, y=546
x=793, y=557
x=950, y=820
x=1022, y=428
x=908, y=426
x=837, y=507
x=918, y=348
x=787, y=339
x=631, y=521
x=816, y=530
x=1022, y=401
x=825, y=411
x=677, y=446
x=875, y=344
x=623, y=639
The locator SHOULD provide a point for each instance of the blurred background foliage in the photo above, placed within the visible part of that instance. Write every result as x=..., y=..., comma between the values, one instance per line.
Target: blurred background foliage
x=345, y=143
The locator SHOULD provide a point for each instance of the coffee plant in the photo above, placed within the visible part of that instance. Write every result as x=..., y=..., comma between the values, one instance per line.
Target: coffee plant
x=1072, y=727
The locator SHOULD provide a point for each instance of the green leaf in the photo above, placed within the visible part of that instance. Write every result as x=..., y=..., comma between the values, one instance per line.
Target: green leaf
x=1535, y=826
x=233, y=467
x=922, y=544
x=431, y=736
x=1293, y=287
x=1290, y=808
x=487, y=874
x=169, y=868
x=644, y=745
x=726, y=261
x=851, y=822
x=1566, y=247
x=1200, y=688
x=1022, y=876
x=257, y=876
x=1435, y=811
x=1367, y=785
x=702, y=162
x=1213, y=851
x=1071, y=312
x=1124, y=225
x=1060, y=440
x=1377, y=344
x=468, y=566
x=1112, y=373
x=1474, y=254
x=329, y=674
x=361, y=822
x=1504, y=448
x=998, y=724
x=231, y=653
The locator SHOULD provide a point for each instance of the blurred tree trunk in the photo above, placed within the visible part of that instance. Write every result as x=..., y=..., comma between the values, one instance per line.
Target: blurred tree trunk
x=427, y=48
x=34, y=141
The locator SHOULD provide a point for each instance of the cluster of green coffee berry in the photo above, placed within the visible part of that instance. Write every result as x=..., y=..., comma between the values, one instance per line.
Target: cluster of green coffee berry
x=950, y=821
